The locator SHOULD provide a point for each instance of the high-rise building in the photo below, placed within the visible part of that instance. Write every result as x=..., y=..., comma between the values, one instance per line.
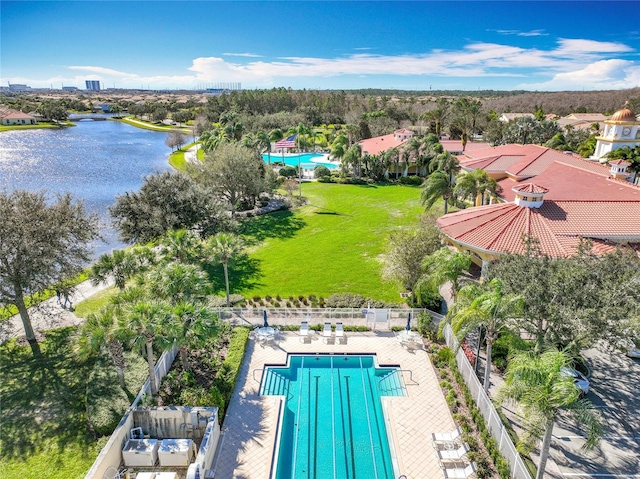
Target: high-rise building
x=92, y=85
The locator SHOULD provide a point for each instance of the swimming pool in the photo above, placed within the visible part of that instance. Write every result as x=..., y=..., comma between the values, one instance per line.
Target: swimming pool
x=332, y=424
x=305, y=159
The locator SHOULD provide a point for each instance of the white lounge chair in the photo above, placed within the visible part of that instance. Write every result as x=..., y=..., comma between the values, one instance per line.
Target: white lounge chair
x=304, y=331
x=340, y=333
x=453, y=436
x=452, y=455
x=459, y=472
x=326, y=332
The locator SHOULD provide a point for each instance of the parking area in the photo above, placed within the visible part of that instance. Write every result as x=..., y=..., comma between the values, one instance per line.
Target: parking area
x=615, y=388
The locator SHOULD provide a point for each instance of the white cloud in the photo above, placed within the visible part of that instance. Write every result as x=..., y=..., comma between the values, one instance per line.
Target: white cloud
x=249, y=55
x=531, y=33
x=571, y=62
x=601, y=75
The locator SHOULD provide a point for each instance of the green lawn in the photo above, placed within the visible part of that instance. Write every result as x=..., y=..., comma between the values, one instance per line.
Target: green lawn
x=43, y=431
x=331, y=245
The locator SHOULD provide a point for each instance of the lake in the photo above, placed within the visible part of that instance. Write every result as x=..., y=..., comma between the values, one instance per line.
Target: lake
x=95, y=161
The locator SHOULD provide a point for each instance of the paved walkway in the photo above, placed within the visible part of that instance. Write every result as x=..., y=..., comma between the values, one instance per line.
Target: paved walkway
x=246, y=448
x=191, y=155
x=50, y=314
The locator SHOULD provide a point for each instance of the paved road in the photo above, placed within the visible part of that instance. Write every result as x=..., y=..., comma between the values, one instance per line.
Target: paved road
x=49, y=314
x=615, y=392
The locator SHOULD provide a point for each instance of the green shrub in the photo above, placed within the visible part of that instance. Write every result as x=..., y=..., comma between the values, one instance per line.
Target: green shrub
x=410, y=180
x=288, y=172
x=321, y=171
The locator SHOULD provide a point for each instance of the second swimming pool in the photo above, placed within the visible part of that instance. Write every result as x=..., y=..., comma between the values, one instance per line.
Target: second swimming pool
x=332, y=425
x=306, y=160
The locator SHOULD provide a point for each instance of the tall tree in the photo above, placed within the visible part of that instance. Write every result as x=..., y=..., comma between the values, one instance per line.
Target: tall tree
x=119, y=265
x=438, y=185
x=484, y=306
x=475, y=185
x=406, y=250
x=165, y=201
x=181, y=245
x=42, y=243
x=539, y=386
x=233, y=173
x=195, y=326
x=444, y=266
x=223, y=248
x=148, y=323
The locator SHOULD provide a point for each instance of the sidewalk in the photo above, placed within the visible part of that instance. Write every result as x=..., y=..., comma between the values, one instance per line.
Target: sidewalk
x=49, y=314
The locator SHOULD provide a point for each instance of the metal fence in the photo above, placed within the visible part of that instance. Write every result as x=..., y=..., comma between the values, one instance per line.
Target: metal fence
x=487, y=409
x=374, y=318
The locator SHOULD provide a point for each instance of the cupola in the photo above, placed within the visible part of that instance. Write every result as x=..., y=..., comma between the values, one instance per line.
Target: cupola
x=529, y=195
x=623, y=115
x=618, y=168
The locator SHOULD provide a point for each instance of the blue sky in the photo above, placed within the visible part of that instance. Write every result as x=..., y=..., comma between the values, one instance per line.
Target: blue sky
x=410, y=45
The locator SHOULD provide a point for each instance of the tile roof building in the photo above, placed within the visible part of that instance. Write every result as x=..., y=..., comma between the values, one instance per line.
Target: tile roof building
x=380, y=144
x=15, y=117
x=557, y=197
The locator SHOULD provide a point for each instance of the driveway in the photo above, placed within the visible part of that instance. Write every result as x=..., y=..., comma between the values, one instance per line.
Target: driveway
x=615, y=388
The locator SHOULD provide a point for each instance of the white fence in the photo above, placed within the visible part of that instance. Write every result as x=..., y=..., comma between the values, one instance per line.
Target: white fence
x=375, y=318
x=162, y=368
x=488, y=411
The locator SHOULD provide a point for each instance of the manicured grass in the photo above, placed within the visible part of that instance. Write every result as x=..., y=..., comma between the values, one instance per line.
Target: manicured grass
x=332, y=245
x=145, y=125
x=177, y=160
x=10, y=310
x=43, y=431
x=95, y=302
x=33, y=127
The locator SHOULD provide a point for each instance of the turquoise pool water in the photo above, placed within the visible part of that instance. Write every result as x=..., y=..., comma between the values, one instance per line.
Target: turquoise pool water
x=332, y=425
x=303, y=158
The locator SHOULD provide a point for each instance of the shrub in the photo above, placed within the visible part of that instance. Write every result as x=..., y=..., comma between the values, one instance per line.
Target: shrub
x=268, y=298
x=410, y=180
x=321, y=171
x=278, y=297
x=288, y=172
x=256, y=299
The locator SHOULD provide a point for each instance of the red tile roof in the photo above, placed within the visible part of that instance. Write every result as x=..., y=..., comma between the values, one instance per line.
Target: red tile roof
x=375, y=146
x=530, y=188
x=582, y=200
x=557, y=225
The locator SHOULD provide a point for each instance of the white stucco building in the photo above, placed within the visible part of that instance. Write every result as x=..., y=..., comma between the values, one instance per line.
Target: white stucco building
x=621, y=130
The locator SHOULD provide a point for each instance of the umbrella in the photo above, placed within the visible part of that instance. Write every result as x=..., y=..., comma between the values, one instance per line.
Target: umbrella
x=408, y=327
x=264, y=314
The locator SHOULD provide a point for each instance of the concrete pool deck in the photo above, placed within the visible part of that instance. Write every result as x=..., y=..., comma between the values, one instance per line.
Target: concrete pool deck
x=247, y=445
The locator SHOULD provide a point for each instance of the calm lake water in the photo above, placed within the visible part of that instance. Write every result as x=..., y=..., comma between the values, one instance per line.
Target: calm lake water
x=95, y=161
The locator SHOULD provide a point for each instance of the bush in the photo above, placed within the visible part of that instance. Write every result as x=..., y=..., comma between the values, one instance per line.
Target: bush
x=288, y=172
x=321, y=171
x=410, y=180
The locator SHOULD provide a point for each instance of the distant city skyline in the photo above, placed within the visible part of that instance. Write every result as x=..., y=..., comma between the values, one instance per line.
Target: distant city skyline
x=407, y=45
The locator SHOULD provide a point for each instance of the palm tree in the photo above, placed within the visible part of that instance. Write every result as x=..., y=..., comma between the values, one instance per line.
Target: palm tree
x=147, y=324
x=439, y=115
x=224, y=247
x=539, y=386
x=119, y=265
x=176, y=282
x=484, y=306
x=444, y=266
x=438, y=185
x=100, y=330
x=474, y=185
x=195, y=325
x=263, y=143
x=181, y=245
